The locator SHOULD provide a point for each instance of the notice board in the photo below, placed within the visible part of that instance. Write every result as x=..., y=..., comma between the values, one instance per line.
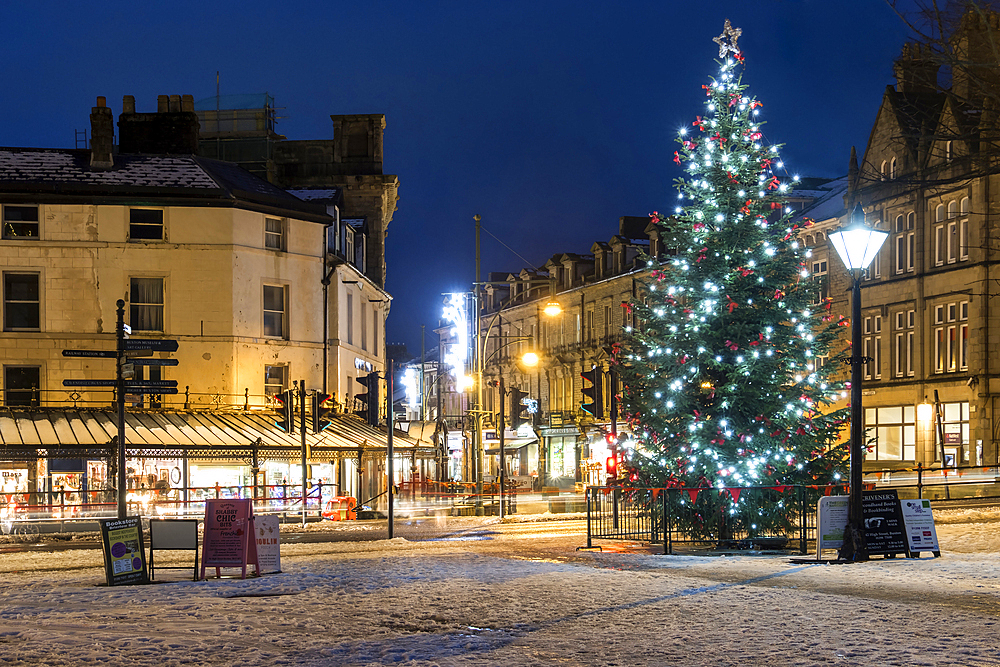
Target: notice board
x=885, y=532
x=228, y=539
x=268, y=538
x=124, y=551
x=920, y=531
x=830, y=525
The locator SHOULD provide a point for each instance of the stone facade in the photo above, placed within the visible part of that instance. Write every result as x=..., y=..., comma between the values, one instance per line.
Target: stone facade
x=238, y=271
x=930, y=320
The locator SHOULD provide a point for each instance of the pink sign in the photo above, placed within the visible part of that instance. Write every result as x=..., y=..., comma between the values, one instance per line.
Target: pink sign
x=228, y=538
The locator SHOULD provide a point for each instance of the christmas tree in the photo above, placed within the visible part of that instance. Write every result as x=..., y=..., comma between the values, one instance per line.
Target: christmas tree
x=723, y=380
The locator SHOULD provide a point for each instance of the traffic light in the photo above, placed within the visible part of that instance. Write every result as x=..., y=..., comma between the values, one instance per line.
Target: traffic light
x=286, y=415
x=595, y=408
x=612, y=466
x=369, y=399
x=517, y=408
x=321, y=412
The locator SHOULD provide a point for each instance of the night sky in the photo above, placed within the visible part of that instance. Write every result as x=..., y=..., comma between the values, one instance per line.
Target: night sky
x=550, y=119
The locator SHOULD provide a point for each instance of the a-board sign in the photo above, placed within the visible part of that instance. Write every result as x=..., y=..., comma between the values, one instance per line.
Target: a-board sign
x=920, y=532
x=228, y=539
x=124, y=551
x=268, y=538
x=831, y=522
x=884, y=529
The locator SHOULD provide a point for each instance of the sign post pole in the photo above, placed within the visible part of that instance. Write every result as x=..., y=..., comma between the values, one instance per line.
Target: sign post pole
x=120, y=396
x=305, y=464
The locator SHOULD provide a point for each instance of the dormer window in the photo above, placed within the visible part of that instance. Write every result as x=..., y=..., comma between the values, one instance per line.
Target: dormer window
x=881, y=170
x=892, y=168
x=948, y=151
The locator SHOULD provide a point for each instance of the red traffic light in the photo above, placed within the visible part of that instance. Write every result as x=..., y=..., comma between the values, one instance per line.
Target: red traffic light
x=612, y=465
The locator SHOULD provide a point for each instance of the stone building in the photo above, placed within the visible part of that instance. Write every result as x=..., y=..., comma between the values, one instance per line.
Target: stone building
x=262, y=287
x=928, y=177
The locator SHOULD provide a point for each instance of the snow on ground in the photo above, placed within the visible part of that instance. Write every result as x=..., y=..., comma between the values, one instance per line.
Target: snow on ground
x=516, y=594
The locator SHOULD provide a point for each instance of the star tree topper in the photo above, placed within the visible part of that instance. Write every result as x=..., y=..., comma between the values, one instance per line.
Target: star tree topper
x=727, y=40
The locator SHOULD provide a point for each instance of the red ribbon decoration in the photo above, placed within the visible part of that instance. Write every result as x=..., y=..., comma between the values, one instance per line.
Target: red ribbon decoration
x=694, y=494
x=735, y=494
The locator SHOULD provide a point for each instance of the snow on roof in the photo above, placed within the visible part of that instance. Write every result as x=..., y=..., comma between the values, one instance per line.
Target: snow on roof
x=36, y=165
x=830, y=202
x=312, y=194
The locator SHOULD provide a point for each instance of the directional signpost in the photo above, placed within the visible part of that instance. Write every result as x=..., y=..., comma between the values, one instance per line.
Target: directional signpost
x=100, y=354
x=129, y=353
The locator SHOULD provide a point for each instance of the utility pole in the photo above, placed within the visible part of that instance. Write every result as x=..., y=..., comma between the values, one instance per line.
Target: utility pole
x=478, y=360
x=302, y=429
x=422, y=412
x=120, y=387
x=391, y=452
x=503, y=460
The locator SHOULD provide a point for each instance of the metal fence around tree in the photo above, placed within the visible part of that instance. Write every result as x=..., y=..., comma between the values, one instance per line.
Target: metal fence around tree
x=735, y=518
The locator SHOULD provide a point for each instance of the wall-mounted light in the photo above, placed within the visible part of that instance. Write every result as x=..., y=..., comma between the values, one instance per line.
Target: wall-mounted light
x=552, y=309
x=925, y=411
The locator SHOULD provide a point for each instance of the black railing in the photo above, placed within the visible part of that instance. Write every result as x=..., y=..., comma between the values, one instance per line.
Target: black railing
x=752, y=518
x=940, y=483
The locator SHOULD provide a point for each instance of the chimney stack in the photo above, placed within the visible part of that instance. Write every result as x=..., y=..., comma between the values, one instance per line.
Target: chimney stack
x=102, y=135
x=172, y=130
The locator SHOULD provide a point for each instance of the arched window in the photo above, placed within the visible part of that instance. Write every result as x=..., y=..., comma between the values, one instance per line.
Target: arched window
x=899, y=223
x=911, y=220
x=820, y=238
x=952, y=209
x=965, y=206
x=892, y=168
x=947, y=151
x=809, y=240
x=939, y=213
x=881, y=170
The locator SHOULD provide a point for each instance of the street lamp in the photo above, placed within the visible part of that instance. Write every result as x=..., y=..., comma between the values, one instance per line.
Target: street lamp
x=857, y=246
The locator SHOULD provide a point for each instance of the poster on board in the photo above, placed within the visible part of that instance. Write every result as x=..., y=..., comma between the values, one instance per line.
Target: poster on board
x=268, y=538
x=124, y=551
x=831, y=522
x=920, y=531
x=884, y=529
x=228, y=539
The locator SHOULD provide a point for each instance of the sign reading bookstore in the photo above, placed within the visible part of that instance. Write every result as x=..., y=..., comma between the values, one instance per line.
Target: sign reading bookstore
x=124, y=551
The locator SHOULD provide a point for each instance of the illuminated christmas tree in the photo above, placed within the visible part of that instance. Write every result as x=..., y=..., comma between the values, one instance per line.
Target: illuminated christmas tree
x=724, y=384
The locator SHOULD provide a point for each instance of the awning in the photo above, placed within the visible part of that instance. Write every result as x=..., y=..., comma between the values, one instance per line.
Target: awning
x=510, y=445
x=65, y=432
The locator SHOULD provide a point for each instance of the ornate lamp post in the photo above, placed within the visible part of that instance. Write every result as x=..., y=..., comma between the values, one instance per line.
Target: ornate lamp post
x=857, y=246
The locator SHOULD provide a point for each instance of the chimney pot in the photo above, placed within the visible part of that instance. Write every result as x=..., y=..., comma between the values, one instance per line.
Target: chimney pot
x=102, y=101
x=162, y=104
x=128, y=104
x=175, y=103
x=187, y=103
x=102, y=135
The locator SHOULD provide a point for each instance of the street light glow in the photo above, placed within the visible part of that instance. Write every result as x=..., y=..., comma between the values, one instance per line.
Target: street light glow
x=552, y=309
x=530, y=359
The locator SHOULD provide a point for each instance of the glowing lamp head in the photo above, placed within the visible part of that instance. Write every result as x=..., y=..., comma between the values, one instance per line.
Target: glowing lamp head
x=858, y=244
x=466, y=382
x=925, y=411
x=552, y=309
x=529, y=359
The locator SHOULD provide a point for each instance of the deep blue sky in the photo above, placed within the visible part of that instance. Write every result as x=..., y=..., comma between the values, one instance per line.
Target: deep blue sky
x=550, y=119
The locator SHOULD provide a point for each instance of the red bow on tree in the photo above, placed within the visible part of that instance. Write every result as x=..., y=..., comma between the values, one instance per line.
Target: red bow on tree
x=677, y=157
x=732, y=304
x=774, y=183
x=731, y=345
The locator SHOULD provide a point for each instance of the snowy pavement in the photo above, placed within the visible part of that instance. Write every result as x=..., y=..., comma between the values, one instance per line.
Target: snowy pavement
x=517, y=594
